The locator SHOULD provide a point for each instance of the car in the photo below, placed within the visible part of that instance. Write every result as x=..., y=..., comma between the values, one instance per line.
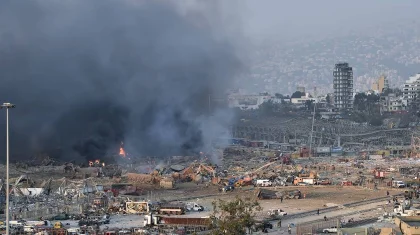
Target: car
x=302, y=184
x=277, y=212
x=330, y=230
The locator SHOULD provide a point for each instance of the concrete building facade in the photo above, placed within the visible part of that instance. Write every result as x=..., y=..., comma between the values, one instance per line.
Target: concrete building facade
x=250, y=102
x=343, y=86
x=410, y=89
x=391, y=103
x=380, y=85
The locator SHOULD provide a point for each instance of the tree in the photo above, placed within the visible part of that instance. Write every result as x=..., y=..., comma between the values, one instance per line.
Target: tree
x=309, y=104
x=267, y=108
x=328, y=99
x=279, y=96
x=233, y=217
x=297, y=94
x=366, y=103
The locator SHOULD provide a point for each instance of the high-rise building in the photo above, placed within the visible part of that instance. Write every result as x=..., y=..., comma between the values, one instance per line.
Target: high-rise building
x=411, y=90
x=380, y=85
x=343, y=86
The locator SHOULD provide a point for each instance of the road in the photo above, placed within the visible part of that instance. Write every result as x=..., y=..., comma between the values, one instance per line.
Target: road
x=347, y=213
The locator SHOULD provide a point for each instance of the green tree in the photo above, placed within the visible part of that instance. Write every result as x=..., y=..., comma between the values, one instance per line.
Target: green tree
x=267, y=108
x=297, y=94
x=279, y=96
x=366, y=103
x=309, y=104
x=234, y=217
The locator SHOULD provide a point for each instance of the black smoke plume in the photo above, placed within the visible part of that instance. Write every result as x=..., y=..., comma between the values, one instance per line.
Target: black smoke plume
x=87, y=75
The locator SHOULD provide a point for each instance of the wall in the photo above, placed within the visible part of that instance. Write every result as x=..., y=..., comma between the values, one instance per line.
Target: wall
x=353, y=231
x=406, y=228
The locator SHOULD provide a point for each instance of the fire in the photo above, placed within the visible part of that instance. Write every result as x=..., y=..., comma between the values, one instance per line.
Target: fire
x=122, y=151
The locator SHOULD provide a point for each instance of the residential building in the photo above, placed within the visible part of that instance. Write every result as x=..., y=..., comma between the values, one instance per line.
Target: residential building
x=410, y=89
x=343, y=86
x=391, y=103
x=247, y=102
x=302, y=100
x=380, y=85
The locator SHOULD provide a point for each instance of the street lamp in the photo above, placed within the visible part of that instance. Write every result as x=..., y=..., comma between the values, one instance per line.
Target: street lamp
x=7, y=106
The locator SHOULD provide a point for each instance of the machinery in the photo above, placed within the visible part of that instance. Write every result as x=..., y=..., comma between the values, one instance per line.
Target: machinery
x=174, y=209
x=191, y=224
x=58, y=225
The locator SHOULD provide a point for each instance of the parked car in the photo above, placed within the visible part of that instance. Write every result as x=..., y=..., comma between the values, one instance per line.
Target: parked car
x=330, y=230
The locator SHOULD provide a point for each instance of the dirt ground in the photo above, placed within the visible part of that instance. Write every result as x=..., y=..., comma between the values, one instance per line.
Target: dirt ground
x=316, y=197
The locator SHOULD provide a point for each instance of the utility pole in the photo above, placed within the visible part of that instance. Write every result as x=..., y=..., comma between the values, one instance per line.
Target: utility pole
x=7, y=106
x=312, y=132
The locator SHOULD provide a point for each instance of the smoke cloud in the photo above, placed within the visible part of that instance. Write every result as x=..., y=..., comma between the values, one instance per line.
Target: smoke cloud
x=87, y=75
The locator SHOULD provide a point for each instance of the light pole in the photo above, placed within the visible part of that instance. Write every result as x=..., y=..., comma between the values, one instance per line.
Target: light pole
x=7, y=106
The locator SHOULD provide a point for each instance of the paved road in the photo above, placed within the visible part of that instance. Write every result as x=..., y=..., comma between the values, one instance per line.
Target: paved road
x=331, y=214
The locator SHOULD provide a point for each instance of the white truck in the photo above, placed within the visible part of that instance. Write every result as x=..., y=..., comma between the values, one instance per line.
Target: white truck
x=264, y=183
x=192, y=206
x=73, y=231
x=276, y=212
x=45, y=223
x=398, y=184
x=330, y=230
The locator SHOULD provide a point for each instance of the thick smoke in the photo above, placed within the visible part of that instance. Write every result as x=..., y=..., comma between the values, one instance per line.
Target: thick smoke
x=87, y=75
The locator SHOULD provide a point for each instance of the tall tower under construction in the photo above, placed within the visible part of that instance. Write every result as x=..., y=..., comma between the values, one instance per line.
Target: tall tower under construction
x=343, y=86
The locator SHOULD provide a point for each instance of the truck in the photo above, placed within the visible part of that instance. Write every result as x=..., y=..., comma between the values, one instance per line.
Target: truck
x=73, y=231
x=45, y=223
x=398, y=184
x=192, y=206
x=264, y=183
x=330, y=230
x=152, y=220
x=279, y=212
x=175, y=209
x=324, y=181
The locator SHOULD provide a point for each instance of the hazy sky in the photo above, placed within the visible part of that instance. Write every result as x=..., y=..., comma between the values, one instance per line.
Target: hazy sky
x=285, y=19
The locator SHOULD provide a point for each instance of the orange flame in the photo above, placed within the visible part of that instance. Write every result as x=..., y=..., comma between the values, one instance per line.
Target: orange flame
x=122, y=152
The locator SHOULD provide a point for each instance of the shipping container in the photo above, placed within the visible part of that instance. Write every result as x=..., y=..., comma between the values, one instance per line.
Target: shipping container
x=323, y=149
